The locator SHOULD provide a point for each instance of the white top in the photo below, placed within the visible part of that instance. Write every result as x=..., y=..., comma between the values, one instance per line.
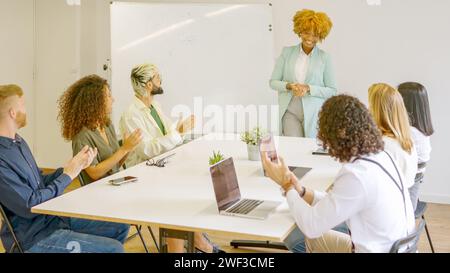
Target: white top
x=153, y=142
x=181, y=195
x=301, y=66
x=301, y=69
x=423, y=146
x=366, y=198
x=406, y=162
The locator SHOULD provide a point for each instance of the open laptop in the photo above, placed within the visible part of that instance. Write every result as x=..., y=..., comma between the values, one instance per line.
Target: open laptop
x=228, y=195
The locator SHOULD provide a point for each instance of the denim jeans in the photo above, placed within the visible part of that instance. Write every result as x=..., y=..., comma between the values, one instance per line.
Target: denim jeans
x=295, y=241
x=414, y=190
x=84, y=236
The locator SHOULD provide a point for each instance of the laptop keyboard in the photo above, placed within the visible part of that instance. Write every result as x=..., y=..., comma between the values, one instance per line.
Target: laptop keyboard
x=245, y=206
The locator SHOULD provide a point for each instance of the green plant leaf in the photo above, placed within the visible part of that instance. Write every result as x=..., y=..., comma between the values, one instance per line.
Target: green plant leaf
x=254, y=136
x=217, y=157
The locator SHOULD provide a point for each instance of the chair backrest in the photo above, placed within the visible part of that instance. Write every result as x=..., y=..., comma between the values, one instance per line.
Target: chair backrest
x=124, y=166
x=409, y=243
x=422, y=165
x=6, y=221
x=81, y=179
x=420, y=175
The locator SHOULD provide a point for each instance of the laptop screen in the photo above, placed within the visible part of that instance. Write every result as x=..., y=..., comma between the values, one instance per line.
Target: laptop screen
x=225, y=183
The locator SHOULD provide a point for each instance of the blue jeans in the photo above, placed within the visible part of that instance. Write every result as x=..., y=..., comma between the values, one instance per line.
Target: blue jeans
x=295, y=241
x=414, y=190
x=84, y=236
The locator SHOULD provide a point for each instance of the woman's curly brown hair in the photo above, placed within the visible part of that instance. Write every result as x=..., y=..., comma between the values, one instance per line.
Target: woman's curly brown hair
x=347, y=129
x=83, y=104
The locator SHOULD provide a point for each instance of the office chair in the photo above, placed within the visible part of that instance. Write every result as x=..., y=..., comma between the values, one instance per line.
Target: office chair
x=6, y=221
x=422, y=206
x=419, y=214
x=409, y=243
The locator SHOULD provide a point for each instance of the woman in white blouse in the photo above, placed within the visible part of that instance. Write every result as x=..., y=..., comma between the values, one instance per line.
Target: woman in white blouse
x=389, y=112
x=416, y=102
x=368, y=193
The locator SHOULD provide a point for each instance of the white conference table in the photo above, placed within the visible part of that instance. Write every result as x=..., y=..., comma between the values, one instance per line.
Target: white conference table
x=180, y=196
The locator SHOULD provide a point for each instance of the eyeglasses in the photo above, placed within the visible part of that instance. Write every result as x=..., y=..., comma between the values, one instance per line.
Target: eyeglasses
x=160, y=163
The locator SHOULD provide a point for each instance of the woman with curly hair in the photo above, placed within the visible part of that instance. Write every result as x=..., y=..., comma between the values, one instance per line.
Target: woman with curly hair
x=303, y=76
x=84, y=112
x=368, y=193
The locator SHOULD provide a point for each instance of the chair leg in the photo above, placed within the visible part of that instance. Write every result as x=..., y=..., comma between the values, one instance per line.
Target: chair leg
x=154, y=238
x=129, y=238
x=428, y=235
x=138, y=228
x=13, y=248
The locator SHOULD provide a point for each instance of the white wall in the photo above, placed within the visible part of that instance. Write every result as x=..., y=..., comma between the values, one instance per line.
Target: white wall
x=397, y=41
x=16, y=54
x=57, y=66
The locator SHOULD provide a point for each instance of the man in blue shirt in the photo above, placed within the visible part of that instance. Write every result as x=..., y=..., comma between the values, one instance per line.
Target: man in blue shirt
x=23, y=186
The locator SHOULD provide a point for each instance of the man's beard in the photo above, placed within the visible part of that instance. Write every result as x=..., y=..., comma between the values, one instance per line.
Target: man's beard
x=21, y=119
x=157, y=91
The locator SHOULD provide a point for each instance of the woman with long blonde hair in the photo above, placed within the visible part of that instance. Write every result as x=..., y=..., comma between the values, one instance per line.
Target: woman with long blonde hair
x=388, y=110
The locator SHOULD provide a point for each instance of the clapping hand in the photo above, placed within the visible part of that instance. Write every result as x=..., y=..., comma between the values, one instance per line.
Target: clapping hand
x=80, y=162
x=131, y=141
x=186, y=125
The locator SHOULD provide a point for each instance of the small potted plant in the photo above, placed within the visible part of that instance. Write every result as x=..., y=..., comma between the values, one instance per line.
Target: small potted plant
x=252, y=139
x=216, y=158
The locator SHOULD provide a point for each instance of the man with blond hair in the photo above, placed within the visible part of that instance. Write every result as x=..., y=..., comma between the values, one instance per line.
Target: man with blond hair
x=159, y=133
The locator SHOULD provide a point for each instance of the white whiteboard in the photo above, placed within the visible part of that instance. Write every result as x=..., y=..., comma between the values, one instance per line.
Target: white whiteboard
x=210, y=55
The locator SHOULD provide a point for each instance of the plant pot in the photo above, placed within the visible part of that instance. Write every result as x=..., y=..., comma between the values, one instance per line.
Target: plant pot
x=253, y=152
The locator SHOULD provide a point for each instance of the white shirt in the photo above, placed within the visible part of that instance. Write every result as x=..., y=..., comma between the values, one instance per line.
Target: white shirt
x=365, y=198
x=301, y=66
x=153, y=141
x=301, y=69
x=423, y=146
x=406, y=162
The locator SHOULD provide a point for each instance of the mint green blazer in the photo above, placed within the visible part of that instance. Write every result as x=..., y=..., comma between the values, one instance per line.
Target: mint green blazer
x=320, y=77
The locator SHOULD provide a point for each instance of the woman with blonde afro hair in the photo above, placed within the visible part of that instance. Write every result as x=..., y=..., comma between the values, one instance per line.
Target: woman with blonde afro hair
x=303, y=76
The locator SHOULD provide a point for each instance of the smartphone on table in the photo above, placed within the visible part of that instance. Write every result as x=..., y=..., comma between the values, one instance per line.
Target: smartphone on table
x=123, y=180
